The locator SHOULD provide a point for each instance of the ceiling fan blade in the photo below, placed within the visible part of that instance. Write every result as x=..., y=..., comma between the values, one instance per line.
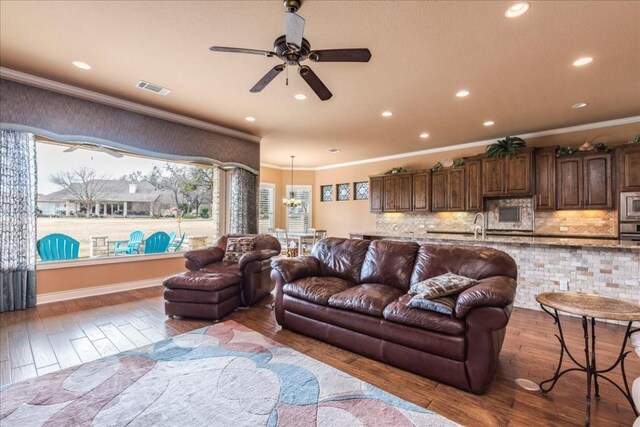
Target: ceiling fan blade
x=315, y=83
x=294, y=29
x=340, y=55
x=109, y=151
x=264, y=81
x=241, y=50
x=70, y=149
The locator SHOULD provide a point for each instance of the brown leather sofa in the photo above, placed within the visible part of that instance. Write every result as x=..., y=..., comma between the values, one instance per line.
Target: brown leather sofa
x=353, y=294
x=253, y=268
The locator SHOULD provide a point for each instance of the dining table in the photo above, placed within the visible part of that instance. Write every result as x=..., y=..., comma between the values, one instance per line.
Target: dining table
x=302, y=237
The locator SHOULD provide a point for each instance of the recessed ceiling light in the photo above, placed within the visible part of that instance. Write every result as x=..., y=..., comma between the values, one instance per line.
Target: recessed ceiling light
x=300, y=96
x=387, y=114
x=82, y=65
x=250, y=119
x=333, y=150
x=489, y=123
x=462, y=93
x=579, y=105
x=517, y=10
x=582, y=61
x=424, y=135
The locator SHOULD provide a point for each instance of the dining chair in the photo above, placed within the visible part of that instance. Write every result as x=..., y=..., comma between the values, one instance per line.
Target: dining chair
x=283, y=238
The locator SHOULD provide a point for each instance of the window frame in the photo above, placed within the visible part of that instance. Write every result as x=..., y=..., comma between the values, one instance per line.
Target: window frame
x=272, y=207
x=309, y=204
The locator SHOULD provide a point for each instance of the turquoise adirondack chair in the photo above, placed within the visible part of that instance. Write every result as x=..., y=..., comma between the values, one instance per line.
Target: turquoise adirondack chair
x=172, y=237
x=174, y=246
x=56, y=247
x=132, y=246
x=156, y=243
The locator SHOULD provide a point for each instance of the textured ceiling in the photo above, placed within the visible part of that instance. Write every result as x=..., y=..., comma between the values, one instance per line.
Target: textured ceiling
x=518, y=71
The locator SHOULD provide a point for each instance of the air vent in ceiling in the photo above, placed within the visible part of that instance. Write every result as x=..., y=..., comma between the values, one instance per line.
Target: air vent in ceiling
x=153, y=88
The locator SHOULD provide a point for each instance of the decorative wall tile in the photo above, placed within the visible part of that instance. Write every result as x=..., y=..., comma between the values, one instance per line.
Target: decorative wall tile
x=343, y=191
x=585, y=222
x=326, y=193
x=361, y=190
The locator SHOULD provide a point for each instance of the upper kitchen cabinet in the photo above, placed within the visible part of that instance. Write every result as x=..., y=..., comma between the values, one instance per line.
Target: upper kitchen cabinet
x=397, y=192
x=421, y=191
x=448, y=190
x=473, y=177
x=545, y=178
x=376, y=194
x=629, y=167
x=508, y=176
x=584, y=181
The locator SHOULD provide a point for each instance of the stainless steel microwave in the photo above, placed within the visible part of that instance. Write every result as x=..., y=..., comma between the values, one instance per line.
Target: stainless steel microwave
x=630, y=206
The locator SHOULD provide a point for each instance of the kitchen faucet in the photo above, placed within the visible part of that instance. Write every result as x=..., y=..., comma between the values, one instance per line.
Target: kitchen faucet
x=477, y=227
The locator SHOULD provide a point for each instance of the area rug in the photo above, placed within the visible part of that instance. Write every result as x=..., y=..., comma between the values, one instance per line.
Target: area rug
x=221, y=375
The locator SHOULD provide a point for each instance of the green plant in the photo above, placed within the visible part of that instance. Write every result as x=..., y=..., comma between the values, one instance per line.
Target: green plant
x=398, y=170
x=635, y=140
x=436, y=167
x=564, y=151
x=511, y=145
x=457, y=163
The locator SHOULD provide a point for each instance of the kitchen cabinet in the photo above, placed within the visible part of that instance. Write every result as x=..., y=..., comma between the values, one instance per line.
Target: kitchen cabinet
x=473, y=177
x=397, y=193
x=421, y=191
x=508, y=176
x=584, y=181
x=545, y=178
x=376, y=194
x=448, y=190
x=629, y=167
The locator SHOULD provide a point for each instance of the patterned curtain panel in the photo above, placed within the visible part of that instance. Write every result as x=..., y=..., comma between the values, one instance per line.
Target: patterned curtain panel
x=244, y=202
x=18, y=193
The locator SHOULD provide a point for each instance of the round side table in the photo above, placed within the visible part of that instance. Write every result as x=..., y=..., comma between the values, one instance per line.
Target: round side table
x=590, y=307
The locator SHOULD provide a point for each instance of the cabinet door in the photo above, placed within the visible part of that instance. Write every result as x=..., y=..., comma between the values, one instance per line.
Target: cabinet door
x=455, y=193
x=390, y=184
x=598, y=186
x=492, y=177
x=403, y=193
x=421, y=191
x=473, y=175
x=375, y=194
x=569, y=183
x=545, y=179
x=518, y=174
x=439, y=191
x=629, y=167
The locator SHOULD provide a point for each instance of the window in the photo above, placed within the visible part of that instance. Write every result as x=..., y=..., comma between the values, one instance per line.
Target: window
x=344, y=192
x=267, y=217
x=361, y=190
x=299, y=218
x=111, y=202
x=326, y=193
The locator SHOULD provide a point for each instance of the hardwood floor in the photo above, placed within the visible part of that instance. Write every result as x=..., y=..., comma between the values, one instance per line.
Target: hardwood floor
x=58, y=335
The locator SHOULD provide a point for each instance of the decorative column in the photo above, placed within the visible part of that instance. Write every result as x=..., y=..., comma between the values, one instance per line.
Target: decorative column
x=244, y=202
x=124, y=210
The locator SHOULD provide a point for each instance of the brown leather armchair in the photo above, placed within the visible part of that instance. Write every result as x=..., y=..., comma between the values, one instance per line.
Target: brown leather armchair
x=253, y=268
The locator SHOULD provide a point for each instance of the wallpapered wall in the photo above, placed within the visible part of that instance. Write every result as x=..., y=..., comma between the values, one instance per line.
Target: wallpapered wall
x=66, y=115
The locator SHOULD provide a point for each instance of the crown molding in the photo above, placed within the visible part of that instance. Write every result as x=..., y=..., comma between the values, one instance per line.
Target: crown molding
x=40, y=82
x=483, y=143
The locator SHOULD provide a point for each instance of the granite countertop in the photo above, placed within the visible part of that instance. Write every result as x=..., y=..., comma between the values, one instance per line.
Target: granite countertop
x=507, y=239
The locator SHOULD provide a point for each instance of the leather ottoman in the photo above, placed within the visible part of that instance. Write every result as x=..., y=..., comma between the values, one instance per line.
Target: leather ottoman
x=202, y=295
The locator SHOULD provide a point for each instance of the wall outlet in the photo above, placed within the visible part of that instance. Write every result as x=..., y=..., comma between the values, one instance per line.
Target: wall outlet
x=564, y=284
x=563, y=228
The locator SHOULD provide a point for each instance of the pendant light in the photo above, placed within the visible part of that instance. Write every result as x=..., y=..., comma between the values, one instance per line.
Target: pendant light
x=292, y=202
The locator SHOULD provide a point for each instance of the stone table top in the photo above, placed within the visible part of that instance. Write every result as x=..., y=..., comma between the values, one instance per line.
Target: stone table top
x=590, y=305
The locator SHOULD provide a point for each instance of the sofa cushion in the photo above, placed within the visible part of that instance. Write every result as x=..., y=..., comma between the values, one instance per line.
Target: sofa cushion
x=236, y=247
x=316, y=289
x=441, y=286
x=341, y=257
x=471, y=261
x=369, y=298
x=398, y=312
x=442, y=305
x=389, y=262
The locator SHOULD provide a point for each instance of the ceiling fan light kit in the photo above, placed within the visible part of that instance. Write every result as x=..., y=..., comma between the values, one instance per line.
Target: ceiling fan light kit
x=292, y=48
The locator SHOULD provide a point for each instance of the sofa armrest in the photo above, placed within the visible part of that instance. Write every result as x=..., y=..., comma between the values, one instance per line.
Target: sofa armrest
x=495, y=291
x=259, y=255
x=295, y=268
x=201, y=257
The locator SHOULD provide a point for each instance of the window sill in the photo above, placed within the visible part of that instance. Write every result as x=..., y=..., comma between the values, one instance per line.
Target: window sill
x=53, y=265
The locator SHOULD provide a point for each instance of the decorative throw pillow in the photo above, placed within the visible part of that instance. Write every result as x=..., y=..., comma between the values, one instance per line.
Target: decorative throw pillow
x=441, y=286
x=442, y=305
x=236, y=247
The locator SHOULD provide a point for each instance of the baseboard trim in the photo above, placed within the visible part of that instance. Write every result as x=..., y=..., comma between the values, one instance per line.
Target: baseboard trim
x=97, y=290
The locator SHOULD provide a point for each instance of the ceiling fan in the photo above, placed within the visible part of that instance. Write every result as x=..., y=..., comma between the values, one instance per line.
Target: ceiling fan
x=292, y=48
x=93, y=147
